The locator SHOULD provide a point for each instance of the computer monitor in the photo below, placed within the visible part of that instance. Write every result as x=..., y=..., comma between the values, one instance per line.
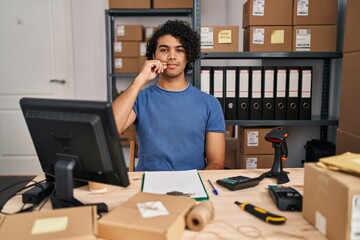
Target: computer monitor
x=75, y=140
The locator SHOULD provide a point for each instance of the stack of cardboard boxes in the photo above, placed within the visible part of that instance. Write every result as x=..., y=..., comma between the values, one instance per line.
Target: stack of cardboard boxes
x=255, y=151
x=348, y=133
x=290, y=25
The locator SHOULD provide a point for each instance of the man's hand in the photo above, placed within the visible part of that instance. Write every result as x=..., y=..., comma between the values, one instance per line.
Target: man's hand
x=151, y=69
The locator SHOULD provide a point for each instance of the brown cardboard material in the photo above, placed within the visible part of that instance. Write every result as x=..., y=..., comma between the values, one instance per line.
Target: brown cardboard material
x=352, y=27
x=220, y=38
x=232, y=152
x=172, y=3
x=126, y=49
x=256, y=161
x=274, y=12
x=129, y=33
x=268, y=39
x=123, y=4
x=329, y=201
x=126, y=65
x=126, y=220
x=252, y=141
x=321, y=38
x=347, y=142
x=349, y=115
x=67, y=223
x=318, y=12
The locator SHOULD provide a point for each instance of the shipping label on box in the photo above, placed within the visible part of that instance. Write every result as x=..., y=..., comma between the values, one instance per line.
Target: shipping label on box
x=303, y=40
x=207, y=38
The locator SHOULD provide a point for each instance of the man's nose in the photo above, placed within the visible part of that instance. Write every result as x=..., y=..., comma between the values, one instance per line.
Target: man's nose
x=172, y=54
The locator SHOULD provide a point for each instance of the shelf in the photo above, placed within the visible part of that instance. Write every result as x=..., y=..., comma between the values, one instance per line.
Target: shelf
x=315, y=121
x=270, y=55
x=150, y=12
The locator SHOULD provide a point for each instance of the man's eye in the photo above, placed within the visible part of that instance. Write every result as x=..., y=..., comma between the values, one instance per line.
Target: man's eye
x=180, y=50
x=163, y=50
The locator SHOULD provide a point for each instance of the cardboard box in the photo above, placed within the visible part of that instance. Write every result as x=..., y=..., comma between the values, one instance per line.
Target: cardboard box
x=347, y=142
x=126, y=65
x=149, y=31
x=126, y=49
x=232, y=152
x=220, y=38
x=268, y=39
x=127, y=221
x=331, y=202
x=315, y=12
x=315, y=38
x=121, y=4
x=129, y=33
x=252, y=141
x=274, y=12
x=349, y=113
x=352, y=27
x=172, y=3
x=256, y=161
x=67, y=223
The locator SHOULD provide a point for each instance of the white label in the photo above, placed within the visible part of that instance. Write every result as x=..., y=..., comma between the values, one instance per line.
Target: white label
x=258, y=7
x=256, y=84
x=149, y=32
x=118, y=47
x=253, y=138
x=207, y=38
x=244, y=84
x=303, y=40
x=306, y=84
x=281, y=83
x=269, y=84
x=152, y=209
x=251, y=163
x=118, y=63
x=294, y=83
x=258, y=35
x=218, y=83
x=142, y=49
x=302, y=8
x=320, y=222
x=120, y=30
x=230, y=83
x=50, y=225
x=205, y=81
x=355, y=218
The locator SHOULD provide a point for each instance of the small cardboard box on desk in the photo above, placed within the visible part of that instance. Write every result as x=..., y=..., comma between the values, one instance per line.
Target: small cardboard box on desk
x=147, y=216
x=67, y=223
x=331, y=202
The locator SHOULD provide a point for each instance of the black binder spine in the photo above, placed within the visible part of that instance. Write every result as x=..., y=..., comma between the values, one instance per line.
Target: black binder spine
x=292, y=93
x=255, y=93
x=280, y=93
x=268, y=93
x=243, y=93
x=305, y=93
x=230, y=93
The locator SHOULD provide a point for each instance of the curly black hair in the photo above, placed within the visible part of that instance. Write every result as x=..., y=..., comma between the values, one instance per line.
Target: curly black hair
x=182, y=31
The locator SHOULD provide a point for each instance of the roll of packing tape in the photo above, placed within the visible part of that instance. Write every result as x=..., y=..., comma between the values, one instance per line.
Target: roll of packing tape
x=200, y=215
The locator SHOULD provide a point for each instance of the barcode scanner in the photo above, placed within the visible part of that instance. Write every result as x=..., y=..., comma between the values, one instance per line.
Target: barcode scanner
x=277, y=136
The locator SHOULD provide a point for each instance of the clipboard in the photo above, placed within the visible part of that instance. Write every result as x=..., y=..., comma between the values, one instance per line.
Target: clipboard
x=187, y=182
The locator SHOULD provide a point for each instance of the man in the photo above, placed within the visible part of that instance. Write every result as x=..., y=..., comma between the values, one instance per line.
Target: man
x=178, y=127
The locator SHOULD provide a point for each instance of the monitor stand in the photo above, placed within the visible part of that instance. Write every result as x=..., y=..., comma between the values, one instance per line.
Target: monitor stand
x=64, y=185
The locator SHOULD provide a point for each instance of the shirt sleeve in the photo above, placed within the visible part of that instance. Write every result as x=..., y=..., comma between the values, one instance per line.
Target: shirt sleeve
x=216, y=121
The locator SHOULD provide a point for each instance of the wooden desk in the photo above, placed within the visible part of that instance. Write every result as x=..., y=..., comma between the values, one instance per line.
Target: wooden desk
x=228, y=216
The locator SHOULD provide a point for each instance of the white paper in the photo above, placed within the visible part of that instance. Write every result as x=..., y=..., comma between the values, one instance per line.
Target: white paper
x=187, y=182
x=152, y=209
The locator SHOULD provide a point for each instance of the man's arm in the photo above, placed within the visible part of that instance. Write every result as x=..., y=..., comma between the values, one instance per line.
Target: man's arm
x=122, y=106
x=215, y=150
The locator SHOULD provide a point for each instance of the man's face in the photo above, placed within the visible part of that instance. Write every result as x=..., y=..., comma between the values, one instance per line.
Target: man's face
x=171, y=51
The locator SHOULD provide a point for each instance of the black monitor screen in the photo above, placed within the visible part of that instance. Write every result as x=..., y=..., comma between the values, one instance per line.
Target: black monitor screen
x=76, y=135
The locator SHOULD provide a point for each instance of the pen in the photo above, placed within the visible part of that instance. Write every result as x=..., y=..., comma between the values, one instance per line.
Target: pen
x=213, y=188
x=261, y=213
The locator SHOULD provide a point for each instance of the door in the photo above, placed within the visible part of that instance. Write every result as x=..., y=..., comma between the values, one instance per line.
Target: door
x=35, y=61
